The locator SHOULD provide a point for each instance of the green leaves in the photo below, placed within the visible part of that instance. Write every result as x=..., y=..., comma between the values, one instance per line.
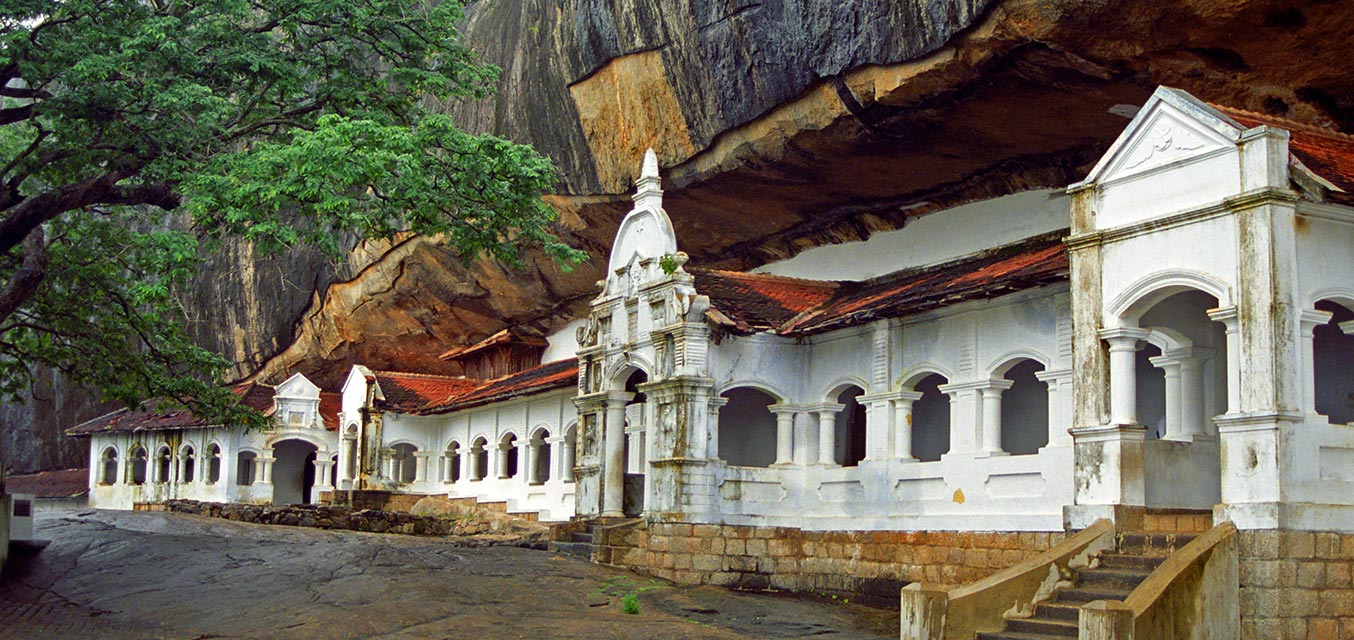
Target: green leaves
x=279, y=121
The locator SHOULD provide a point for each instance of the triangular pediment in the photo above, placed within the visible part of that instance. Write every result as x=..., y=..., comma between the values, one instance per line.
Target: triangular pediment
x=298, y=386
x=1172, y=127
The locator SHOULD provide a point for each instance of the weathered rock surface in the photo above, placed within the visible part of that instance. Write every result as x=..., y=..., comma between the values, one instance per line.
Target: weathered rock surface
x=781, y=125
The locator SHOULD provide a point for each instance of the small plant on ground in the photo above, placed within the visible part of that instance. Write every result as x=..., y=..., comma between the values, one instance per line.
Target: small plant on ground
x=630, y=604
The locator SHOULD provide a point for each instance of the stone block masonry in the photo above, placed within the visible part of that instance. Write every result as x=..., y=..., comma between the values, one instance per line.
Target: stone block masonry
x=1296, y=585
x=867, y=566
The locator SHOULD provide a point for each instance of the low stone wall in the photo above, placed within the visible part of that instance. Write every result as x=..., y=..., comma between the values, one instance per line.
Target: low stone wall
x=1296, y=584
x=867, y=565
x=324, y=517
x=372, y=499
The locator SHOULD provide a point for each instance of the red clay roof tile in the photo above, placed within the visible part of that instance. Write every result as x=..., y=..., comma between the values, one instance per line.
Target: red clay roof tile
x=410, y=391
x=547, y=377
x=1327, y=152
x=65, y=483
x=760, y=302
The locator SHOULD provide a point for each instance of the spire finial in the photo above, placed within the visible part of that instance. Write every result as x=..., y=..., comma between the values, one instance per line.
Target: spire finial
x=650, y=169
x=648, y=194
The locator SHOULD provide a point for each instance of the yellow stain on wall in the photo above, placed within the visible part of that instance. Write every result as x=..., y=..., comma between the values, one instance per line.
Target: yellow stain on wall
x=959, y=496
x=626, y=107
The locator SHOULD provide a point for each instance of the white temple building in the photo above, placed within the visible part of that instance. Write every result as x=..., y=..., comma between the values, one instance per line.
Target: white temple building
x=1170, y=333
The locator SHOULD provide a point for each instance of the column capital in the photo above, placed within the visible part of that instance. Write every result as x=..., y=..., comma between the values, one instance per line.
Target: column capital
x=1123, y=337
x=1054, y=375
x=783, y=408
x=1310, y=318
x=975, y=385
x=901, y=394
x=826, y=407
x=1347, y=327
x=1226, y=315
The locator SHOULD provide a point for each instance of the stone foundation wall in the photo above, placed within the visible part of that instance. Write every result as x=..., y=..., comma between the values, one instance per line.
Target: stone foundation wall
x=865, y=565
x=371, y=499
x=324, y=517
x=1296, y=585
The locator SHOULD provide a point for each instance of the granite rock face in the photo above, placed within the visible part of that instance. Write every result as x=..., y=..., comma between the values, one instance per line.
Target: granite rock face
x=780, y=125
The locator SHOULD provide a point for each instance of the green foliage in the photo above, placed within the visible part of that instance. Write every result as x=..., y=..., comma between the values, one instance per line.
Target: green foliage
x=277, y=121
x=630, y=604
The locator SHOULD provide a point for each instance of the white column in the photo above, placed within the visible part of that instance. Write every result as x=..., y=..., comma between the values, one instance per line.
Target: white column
x=992, y=417
x=827, y=435
x=613, y=478
x=1123, y=349
x=387, y=463
x=1170, y=366
x=567, y=452
x=1228, y=317
x=420, y=466
x=902, y=425
x=712, y=428
x=1059, y=421
x=785, y=425
x=263, y=470
x=1310, y=320
x=1192, y=419
x=530, y=470
x=501, y=460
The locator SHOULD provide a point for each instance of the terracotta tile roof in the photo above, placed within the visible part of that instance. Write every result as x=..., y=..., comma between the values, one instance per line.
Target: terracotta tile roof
x=1023, y=265
x=258, y=397
x=331, y=403
x=1326, y=152
x=752, y=302
x=503, y=337
x=408, y=392
x=65, y=483
x=547, y=377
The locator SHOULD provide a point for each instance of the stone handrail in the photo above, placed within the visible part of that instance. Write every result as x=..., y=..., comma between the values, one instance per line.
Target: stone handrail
x=1192, y=595
x=936, y=613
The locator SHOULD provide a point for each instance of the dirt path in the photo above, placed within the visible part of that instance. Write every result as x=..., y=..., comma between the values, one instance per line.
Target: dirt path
x=159, y=575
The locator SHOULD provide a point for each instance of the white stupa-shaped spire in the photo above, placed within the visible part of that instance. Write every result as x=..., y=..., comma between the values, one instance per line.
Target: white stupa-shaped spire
x=648, y=194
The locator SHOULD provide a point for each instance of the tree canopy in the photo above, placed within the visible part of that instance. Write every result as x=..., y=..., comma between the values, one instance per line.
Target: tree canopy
x=274, y=121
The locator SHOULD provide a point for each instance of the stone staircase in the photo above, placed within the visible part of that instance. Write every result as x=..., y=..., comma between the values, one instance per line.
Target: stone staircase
x=1111, y=576
x=588, y=543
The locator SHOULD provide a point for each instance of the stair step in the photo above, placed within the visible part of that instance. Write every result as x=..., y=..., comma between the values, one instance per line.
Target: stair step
x=1015, y=635
x=580, y=536
x=1080, y=595
x=580, y=549
x=1057, y=611
x=1110, y=578
x=1059, y=628
x=1126, y=561
x=1150, y=543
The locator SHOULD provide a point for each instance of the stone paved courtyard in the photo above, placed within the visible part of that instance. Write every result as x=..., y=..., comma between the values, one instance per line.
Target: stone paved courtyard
x=121, y=575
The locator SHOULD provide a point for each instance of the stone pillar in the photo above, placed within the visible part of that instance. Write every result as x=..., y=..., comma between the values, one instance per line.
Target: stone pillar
x=1228, y=317
x=785, y=425
x=387, y=463
x=965, y=415
x=263, y=469
x=1170, y=366
x=1123, y=343
x=1192, y=419
x=501, y=454
x=991, y=445
x=902, y=425
x=712, y=428
x=1310, y=319
x=827, y=433
x=323, y=464
x=1105, y=620
x=345, y=456
x=568, y=457
x=613, y=462
x=532, y=450
x=1059, y=420
x=420, y=466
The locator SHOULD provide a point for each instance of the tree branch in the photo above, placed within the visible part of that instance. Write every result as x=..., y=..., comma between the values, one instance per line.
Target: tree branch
x=24, y=283
x=31, y=213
